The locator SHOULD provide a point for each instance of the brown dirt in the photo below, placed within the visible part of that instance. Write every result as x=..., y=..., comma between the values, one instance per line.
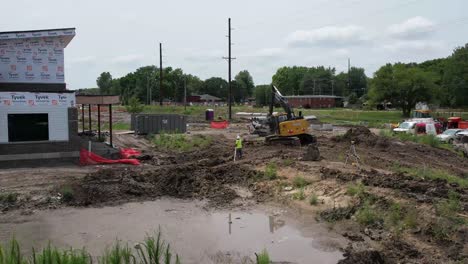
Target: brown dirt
x=384, y=153
x=203, y=174
x=210, y=173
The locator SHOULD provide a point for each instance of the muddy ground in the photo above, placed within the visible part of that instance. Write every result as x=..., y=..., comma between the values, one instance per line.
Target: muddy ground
x=438, y=236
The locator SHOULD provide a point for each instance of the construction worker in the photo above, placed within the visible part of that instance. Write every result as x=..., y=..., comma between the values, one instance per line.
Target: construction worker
x=239, y=147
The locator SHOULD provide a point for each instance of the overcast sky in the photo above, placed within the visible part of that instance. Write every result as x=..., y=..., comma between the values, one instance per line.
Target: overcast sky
x=121, y=35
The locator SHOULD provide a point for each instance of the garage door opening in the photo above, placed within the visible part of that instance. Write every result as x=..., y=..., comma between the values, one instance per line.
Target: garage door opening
x=28, y=127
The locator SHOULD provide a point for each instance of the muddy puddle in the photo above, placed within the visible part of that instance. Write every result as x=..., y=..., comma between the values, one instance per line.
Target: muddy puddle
x=196, y=234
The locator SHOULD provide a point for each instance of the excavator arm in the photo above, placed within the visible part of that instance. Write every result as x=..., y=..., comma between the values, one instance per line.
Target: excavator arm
x=276, y=96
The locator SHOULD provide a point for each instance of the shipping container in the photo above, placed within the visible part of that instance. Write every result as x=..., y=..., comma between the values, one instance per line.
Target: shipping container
x=158, y=123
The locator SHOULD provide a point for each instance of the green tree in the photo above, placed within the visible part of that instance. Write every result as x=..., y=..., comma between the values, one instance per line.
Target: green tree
x=340, y=85
x=288, y=79
x=358, y=81
x=262, y=95
x=216, y=86
x=402, y=85
x=245, y=86
x=104, y=82
x=134, y=106
x=317, y=80
x=455, y=79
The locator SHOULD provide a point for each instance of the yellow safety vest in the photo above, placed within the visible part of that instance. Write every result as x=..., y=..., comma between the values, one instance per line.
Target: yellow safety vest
x=238, y=143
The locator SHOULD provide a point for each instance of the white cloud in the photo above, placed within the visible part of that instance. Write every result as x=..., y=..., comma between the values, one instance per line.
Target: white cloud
x=330, y=35
x=130, y=58
x=414, y=46
x=269, y=52
x=85, y=59
x=201, y=56
x=412, y=28
x=341, y=52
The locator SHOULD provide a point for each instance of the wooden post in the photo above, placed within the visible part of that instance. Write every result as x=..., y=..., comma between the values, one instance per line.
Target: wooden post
x=89, y=117
x=82, y=117
x=99, y=121
x=110, y=124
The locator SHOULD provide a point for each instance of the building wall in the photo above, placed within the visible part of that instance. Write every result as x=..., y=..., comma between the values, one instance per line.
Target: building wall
x=58, y=120
x=72, y=145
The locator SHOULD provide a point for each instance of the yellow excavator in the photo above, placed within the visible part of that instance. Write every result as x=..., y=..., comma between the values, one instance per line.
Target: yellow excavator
x=285, y=127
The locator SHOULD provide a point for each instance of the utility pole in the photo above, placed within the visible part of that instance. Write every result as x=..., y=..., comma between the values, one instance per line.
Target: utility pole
x=161, y=94
x=229, y=58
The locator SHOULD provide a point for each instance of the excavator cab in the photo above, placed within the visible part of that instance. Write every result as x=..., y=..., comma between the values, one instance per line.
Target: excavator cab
x=286, y=127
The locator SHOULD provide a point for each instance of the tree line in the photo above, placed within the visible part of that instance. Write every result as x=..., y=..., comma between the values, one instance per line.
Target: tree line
x=443, y=82
x=144, y=84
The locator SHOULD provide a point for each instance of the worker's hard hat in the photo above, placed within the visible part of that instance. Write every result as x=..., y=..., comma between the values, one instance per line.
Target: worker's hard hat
x=238, y=137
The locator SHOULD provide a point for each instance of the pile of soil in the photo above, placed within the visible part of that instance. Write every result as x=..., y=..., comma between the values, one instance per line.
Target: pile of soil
x=362, y=135
x=207, y=173
x=181, y=181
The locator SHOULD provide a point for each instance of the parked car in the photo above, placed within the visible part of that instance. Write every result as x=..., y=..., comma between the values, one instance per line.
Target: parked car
x=449, y=135
x=462, y=136
x=405, y=127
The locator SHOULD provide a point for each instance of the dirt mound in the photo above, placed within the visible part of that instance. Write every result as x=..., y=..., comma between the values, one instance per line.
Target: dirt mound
x=181, y=181
x=362, y=135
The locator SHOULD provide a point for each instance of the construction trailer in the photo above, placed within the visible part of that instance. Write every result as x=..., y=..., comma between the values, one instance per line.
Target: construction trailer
x=38, y=117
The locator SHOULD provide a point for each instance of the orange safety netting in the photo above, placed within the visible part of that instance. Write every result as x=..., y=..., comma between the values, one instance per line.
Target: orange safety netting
x=129, y=153
x=89, y=158
x=219, y=124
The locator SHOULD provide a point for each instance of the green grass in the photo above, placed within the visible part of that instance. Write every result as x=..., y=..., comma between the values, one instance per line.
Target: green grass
x=300, y=182
x=367, y=215
x=431, y=174
x=67, y=194
x=8, y=197
x=153, y=250
x=181, y=142
x=299, y=195
x=263, y=257
x=340, y=116
x=430, y=140
x=337, y=116
x=357, y=189
x=450, y=207
x=288, y=162
x=313, y=199
x=271, y=172
x=115, y=126
x=398, y=218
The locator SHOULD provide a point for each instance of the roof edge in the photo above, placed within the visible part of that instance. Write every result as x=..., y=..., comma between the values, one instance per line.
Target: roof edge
x=35, y=30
